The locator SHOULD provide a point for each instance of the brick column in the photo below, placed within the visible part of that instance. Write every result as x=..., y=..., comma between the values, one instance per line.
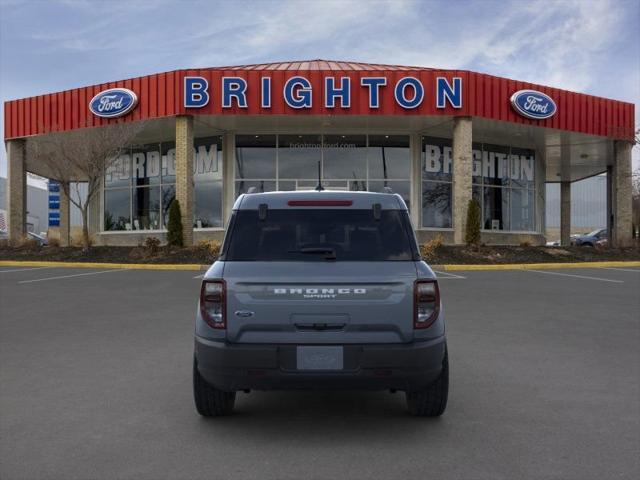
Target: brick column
x=228, y=173
x=65, y=219
x=184, y=174
x=416, y=179
x=462, y=175
x=16, y=191
x=621, y=185
x=565, y=213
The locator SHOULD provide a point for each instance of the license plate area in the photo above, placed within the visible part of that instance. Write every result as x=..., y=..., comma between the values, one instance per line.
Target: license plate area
x=319, y=358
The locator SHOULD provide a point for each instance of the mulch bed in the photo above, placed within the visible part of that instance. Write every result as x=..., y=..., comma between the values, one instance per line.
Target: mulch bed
x=171, y=255
x=447, y=254
x=444, y=254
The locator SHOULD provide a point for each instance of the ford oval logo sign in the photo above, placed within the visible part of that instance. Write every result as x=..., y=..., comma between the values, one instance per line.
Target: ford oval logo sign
x=114, y=102
x=533, y=104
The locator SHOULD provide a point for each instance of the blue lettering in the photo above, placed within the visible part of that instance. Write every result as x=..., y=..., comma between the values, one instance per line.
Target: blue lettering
x=445, y=92
x=196, y=93
x=297, y=92
x=234, y=87
x=400, y=92
x=266, y=92
x=331, y=92
x=374, y=84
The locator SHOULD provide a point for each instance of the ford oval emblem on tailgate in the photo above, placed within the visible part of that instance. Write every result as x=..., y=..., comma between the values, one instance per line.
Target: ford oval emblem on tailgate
x=244, y=313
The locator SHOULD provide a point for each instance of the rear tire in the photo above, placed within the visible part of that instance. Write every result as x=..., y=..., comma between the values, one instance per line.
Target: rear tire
x=432, y=401
x=210, y=402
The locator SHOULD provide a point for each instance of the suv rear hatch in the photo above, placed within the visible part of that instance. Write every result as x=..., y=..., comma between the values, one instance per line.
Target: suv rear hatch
x=320, y=276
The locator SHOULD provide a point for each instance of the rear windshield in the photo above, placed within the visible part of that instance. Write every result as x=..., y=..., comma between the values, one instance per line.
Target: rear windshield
x=320, y=235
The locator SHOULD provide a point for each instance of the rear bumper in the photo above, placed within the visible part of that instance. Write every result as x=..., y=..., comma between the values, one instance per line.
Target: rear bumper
x=233, y=367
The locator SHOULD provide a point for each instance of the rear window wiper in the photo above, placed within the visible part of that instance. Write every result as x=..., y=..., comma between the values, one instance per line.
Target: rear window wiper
x=330, y=253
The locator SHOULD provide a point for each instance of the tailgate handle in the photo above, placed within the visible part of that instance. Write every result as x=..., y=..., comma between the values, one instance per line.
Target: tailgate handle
x=320, y=327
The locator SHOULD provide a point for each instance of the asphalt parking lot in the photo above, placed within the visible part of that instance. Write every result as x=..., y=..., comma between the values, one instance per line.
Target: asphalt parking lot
x=95, y=382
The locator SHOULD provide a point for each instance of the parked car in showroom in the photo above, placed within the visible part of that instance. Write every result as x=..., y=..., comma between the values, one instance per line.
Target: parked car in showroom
x=590, y=239
x=320, y=290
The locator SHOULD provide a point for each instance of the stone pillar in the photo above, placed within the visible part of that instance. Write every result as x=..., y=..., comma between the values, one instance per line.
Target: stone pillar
x=565, y=213
x=621, y=184
x=416, y=179
x=16, y=191
x=65, y=218
x=184, y=174
x=462, y=175
x=228, y=174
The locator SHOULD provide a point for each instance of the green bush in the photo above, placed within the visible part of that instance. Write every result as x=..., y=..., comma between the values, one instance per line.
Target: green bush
x=174, y=227
x=472, y=233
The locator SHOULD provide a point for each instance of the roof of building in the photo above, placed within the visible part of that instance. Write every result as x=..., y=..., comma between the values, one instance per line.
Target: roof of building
x=161, y=95
x=321, y=64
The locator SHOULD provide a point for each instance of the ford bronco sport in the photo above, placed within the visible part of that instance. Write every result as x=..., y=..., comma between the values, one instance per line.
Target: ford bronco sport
x=320, y=290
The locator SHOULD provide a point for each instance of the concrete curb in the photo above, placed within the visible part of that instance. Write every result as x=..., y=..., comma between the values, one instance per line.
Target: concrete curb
x=129, y=266
x=195, y=266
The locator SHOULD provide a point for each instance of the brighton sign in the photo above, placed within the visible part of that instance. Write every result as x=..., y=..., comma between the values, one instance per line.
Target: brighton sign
x=408, y=92
x=533, y=104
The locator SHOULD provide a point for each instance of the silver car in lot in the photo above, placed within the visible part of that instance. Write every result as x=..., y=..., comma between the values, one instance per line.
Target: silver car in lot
x=320, y=290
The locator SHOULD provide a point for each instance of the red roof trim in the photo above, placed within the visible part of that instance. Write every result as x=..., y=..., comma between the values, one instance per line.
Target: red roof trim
x=160, y=95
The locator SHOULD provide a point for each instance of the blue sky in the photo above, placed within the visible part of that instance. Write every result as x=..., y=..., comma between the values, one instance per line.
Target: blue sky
x=582, y=45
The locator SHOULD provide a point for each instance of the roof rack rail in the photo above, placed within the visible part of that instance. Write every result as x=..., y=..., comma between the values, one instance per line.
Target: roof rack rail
x=387, y=190
x=252, y=190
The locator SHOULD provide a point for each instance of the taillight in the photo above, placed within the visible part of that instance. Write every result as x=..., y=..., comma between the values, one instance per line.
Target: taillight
x=426, y=303
x=213, y=303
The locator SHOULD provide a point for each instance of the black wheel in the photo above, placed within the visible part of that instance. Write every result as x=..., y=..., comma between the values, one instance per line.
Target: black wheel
x=210, y=402
x=432, y=401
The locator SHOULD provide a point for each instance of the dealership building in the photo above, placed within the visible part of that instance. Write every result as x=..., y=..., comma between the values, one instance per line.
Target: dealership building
x=439, y=138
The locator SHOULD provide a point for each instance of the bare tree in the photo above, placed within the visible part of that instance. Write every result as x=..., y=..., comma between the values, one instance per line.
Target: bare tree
x=82, y=156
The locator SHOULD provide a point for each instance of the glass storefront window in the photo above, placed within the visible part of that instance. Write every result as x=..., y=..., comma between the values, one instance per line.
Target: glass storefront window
x=497, y=174
x=348, y=162
x=298, y=156
x=437, y=161
x=168, y=162
x=496, y=208
x=207, y=177
x=344, y=156
x=117, y=214
x=495, y=165
x=255, y=156
x=146, y=208
x=118, y=174
x=522, y=162
x=437, y=173
x=208, y=205
x=152, y=168
x=146, y=165
x=522, y=209
x=389, y=156
x=436, y=204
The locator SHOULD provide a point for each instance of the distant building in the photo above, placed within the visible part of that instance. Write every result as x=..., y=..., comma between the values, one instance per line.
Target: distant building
x=37, y=207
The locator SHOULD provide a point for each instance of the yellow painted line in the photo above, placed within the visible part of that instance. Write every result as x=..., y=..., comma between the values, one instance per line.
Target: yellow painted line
x=537, y=266
x=195, y=266
x=130, y=266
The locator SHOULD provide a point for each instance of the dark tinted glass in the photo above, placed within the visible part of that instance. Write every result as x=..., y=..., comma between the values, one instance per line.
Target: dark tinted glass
x=256, y=156
x=318, y=234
